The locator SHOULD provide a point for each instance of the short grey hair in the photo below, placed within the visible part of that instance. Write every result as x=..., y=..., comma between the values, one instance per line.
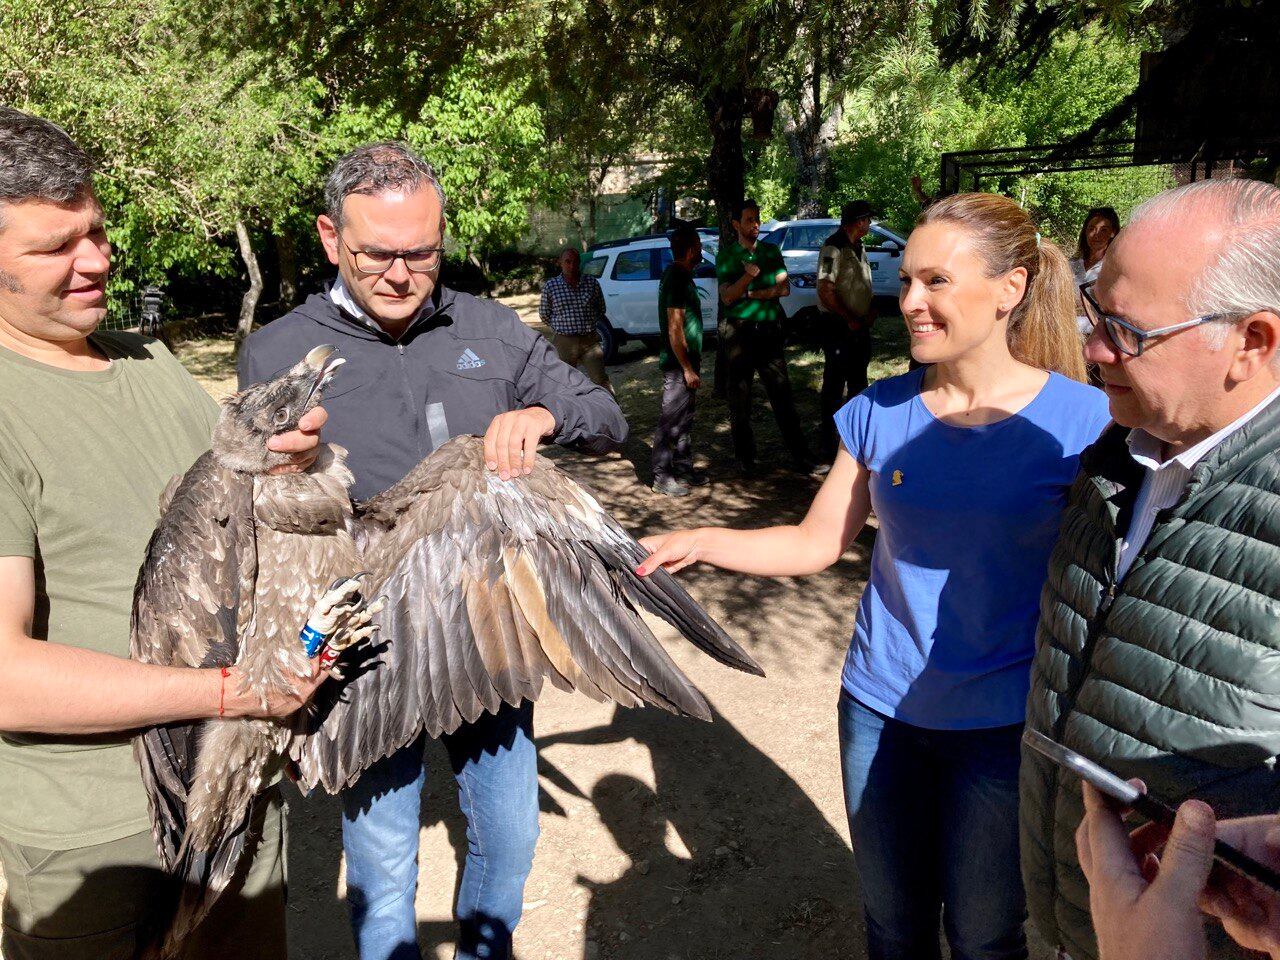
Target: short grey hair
x=1244, y=276
x=38, y=161
x=387, y=167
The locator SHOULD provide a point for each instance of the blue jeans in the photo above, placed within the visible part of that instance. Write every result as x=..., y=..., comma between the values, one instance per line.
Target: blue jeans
x=496, y=765
x=934, y=819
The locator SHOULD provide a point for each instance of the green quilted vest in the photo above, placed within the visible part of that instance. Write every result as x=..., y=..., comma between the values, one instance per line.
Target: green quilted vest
x=1172, y=674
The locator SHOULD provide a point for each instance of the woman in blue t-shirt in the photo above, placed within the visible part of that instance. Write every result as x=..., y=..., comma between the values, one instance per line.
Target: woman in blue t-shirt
x=966, y=463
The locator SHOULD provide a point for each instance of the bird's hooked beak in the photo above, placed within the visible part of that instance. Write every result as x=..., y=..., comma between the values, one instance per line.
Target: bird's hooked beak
x=322, y=361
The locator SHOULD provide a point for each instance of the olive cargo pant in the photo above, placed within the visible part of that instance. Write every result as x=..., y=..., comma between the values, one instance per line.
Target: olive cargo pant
x=96, y=902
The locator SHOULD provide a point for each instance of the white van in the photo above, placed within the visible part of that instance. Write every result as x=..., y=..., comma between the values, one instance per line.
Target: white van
x=629, y=271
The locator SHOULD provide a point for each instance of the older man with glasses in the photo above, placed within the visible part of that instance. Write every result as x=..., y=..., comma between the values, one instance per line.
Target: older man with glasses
x=1158, y=653
x=423, y=364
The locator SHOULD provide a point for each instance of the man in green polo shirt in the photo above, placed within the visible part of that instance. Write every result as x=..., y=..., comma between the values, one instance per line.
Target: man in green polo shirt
x=680, y=326
x=92, y=427
x=753, y=279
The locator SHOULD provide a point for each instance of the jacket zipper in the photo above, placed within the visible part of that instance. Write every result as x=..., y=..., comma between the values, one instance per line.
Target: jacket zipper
x=1095, y=625
x=1059, y=725
x=409, y=399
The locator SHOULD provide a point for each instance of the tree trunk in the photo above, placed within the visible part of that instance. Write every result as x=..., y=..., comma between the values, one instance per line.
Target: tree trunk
x=287, y=254
x=810, y=136
x=249, y=303
x=483, y=268
x=726, y=175
x=726, y=166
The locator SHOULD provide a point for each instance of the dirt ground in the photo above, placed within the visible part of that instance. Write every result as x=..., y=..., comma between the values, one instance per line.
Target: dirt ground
x=663, y=838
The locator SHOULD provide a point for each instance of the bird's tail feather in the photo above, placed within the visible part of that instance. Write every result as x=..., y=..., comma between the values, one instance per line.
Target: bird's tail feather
x=202, y=877
x=219, y=813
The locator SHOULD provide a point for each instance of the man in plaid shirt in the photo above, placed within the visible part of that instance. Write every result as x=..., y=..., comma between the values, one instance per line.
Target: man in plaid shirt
x=571, y=306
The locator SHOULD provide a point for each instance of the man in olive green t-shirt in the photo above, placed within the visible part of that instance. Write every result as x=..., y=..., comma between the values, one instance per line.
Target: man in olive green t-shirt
x=680, y=327
x=753, y=278
x=92, y=427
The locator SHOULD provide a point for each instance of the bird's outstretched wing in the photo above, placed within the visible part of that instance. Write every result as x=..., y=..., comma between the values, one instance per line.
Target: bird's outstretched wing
x=192, y=601
x=491, y=588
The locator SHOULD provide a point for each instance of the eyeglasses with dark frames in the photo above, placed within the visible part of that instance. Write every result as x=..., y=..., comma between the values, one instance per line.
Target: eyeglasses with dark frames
x=1127, y=338
x=374, y=262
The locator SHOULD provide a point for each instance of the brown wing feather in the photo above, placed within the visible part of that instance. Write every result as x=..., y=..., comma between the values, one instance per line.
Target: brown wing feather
x=193, y=596
x=491, y=588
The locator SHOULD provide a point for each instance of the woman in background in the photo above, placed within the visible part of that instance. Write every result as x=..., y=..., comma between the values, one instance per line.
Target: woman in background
x=1101, y=224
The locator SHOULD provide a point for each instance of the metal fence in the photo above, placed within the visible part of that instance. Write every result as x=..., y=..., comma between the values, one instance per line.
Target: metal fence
x=1191, y=160
x=1059, y=201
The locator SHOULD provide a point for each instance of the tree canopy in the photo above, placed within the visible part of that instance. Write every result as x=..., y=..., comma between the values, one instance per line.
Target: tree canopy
x=214, y=123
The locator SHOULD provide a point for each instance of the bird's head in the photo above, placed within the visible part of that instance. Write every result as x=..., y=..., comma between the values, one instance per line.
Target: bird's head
x=253, y=416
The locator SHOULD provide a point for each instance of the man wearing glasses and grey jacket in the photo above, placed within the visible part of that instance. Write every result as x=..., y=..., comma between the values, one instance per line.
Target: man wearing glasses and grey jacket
x=425, y=363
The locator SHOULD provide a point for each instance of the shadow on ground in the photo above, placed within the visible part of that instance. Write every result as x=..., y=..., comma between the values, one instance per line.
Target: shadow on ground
x=737, y=885
x=744, y=886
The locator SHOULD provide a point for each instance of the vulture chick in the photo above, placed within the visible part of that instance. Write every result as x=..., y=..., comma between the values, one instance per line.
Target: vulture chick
x=486, y=588
x=237, y=565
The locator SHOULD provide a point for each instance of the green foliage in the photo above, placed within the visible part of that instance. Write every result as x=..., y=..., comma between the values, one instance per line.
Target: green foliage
x=769, y=180
x=188, y=141
x=485, y=140
x=192, y=136
x=913, y=108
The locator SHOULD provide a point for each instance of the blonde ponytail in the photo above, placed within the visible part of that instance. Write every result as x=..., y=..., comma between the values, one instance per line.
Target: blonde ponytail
x=1042, y=327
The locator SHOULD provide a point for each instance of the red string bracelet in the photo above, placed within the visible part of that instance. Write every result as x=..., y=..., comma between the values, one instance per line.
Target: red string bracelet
x=222, y=692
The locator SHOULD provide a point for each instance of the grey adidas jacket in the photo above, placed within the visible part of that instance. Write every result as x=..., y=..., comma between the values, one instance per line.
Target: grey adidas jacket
x=462, y=362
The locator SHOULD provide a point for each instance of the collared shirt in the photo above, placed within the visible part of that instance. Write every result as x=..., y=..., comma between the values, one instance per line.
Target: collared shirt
x=341, y=296
x=1166, y=480
x=572, y=310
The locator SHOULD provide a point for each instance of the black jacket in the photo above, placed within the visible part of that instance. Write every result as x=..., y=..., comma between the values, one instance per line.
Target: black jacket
x=462, y=362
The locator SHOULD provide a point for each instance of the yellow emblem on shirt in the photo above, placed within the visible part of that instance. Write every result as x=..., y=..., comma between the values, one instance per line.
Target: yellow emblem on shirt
x=897, y=478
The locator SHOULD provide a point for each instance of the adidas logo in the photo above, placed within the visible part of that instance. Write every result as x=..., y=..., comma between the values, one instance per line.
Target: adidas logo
x=469, y=360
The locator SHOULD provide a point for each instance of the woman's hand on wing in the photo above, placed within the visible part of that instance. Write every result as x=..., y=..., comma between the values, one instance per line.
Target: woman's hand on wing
x=671, y=551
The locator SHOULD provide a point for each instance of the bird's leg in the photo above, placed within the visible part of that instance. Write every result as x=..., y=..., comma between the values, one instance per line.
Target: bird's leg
x=347, y=619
